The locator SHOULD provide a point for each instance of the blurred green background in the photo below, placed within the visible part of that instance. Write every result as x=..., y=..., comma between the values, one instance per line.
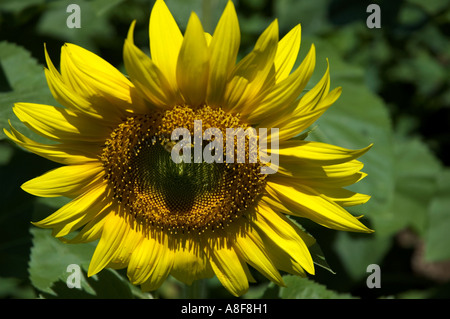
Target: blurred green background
x=395, y=82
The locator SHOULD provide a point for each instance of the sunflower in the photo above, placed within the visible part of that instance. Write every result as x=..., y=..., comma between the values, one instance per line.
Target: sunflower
x=158, y=217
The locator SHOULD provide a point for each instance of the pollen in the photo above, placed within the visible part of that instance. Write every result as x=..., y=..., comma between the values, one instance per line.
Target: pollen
x=177, y=197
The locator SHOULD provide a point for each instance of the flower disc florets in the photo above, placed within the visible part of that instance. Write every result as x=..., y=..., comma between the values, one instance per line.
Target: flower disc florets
x=177, y=196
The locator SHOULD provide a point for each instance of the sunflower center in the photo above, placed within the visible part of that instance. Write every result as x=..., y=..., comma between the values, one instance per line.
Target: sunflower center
x=178, y=196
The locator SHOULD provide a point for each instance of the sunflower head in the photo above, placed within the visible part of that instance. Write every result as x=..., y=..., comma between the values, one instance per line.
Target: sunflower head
x=168, y=167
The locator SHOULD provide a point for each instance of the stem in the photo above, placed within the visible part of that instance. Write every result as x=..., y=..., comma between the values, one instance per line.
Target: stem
x=197, y=290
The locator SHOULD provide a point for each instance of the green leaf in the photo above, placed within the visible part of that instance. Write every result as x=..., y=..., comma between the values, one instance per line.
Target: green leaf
x=95, y=26
x=423, y=69
x=21, y=70
x=416, y=172
x=108, y=284
x=49, y=259
x=437, y=234
x=17, y=208
x=303, y=288
x=319, y=257
x=359, y=251
x=48, y=269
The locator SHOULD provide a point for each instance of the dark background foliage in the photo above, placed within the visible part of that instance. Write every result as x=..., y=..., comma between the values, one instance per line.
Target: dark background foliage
x=396, y=95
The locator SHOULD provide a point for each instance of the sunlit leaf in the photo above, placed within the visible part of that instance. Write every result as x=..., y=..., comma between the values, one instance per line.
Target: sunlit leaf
x=304, y=288
x=358, y=252
x=94, y=23
x=415, y=186
x=50, y=258
x=437, y=232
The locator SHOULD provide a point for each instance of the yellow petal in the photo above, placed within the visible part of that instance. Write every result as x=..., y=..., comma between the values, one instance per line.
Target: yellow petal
x=224, y=48
x=65, y=153
x=95, y=79
x=254, y=73
x=304, y=202
x=252, y=250
x=287, y=52
x=281, y=259
x=336, y=175
x=132, y=238
x=63, y=181
x=301, y=120
x=100, y=208
x=284, y=235
x=190, y=262
x=142, y=260
x=165, y=41
x=75, y=209
x=311, y=99
x=151, y=262
x=60, y=124
x=193, y=63
x=228, y=269
x=342, y=196
x=208, y=38
x=324, y=153
x=114, y=233
x=160, y=270
x=284, y=93
x=64, y=94
x=92, y=230
x=145, y=74
x=311, y=106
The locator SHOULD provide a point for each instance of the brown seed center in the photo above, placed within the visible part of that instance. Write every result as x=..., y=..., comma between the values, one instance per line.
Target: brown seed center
x=178, y=197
